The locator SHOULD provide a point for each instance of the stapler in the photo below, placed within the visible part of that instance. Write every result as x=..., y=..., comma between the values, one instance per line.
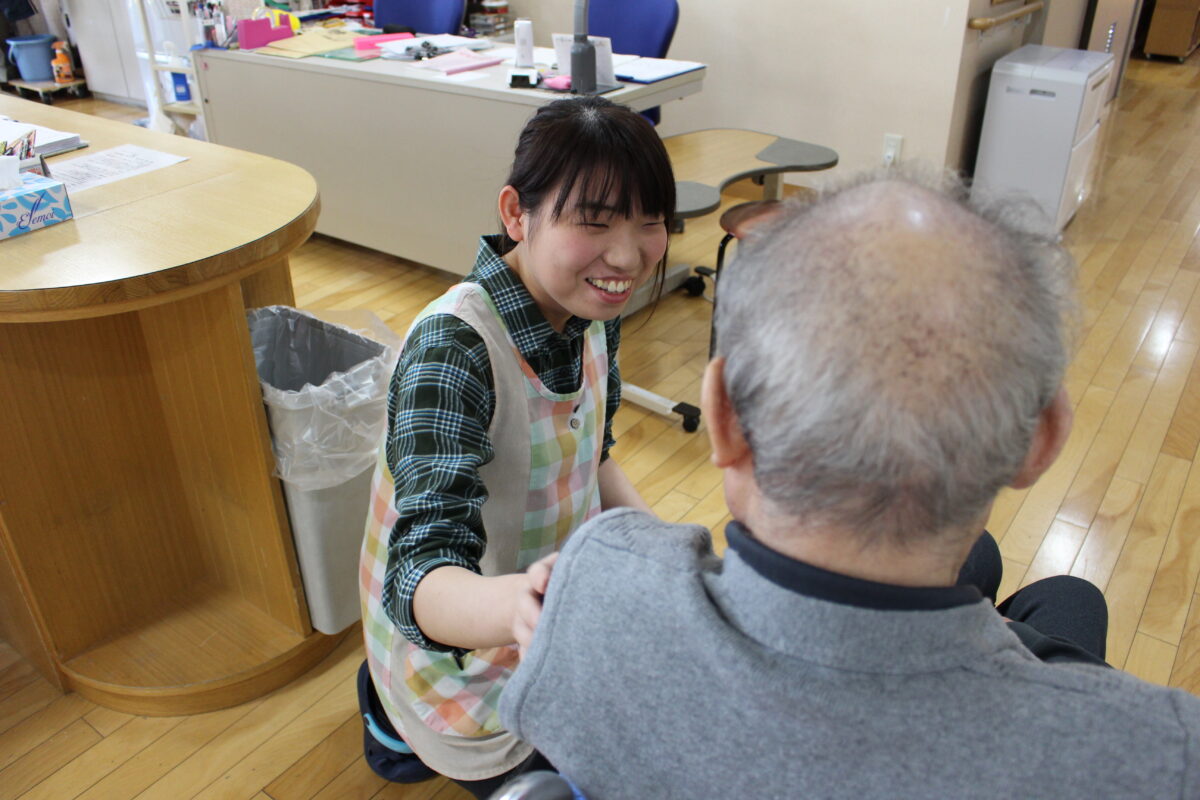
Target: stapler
x=523, y=78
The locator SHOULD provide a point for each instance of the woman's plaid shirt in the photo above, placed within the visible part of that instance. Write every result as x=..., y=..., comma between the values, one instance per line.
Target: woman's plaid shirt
x=440, y=405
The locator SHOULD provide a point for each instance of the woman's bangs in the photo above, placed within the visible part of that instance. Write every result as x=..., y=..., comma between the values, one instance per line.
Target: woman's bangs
x=624, y=187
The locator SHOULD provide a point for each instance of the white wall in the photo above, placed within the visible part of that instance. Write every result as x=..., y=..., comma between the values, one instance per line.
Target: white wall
x=839, y=73
x=1064, y=22
x=836, y=72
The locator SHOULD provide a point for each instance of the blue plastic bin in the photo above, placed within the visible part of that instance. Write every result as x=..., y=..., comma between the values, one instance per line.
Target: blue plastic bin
x=32, y=56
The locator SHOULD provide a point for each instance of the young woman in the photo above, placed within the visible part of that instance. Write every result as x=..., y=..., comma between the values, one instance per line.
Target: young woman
x=499, y=427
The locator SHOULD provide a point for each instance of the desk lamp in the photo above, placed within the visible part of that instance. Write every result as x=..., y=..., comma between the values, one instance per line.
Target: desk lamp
x=583, y=56
x=583, y=53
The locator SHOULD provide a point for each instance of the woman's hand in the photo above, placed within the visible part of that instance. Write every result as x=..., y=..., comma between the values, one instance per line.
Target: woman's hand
x=528, y=607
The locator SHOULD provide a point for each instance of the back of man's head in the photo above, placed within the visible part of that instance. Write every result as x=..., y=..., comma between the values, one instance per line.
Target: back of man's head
x=889, y=349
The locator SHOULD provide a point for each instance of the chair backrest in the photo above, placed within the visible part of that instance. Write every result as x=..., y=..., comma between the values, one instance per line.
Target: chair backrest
x=636, y=27
x=423, y=16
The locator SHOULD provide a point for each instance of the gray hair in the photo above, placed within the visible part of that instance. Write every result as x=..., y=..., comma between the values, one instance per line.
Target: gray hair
x=890, y=347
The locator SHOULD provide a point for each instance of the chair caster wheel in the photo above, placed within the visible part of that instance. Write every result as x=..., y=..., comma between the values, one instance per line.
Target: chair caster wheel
x=690, y=414
x=694, y=286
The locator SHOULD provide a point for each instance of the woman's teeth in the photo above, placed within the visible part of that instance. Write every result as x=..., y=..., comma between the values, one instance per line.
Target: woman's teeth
x=613, y=287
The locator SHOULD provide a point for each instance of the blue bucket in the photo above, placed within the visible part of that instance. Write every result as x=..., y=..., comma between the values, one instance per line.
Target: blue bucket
x=32, y=56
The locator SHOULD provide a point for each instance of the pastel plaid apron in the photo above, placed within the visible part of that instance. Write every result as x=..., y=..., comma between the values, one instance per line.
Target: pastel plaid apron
x=542, y=484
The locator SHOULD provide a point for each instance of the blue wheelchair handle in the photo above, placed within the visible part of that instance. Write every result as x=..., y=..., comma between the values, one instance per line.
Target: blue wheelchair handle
x=390, y=742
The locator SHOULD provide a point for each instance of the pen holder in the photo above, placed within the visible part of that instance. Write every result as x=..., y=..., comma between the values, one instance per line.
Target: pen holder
x=35, y=165
x=10, y=172
x=254, y=33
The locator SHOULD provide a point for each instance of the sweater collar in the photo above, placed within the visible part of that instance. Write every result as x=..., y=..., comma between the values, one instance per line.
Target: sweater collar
x=800, y=611
x=798, y=576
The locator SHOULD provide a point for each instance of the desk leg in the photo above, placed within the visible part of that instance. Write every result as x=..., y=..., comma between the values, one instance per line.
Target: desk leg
x=270, y=286
x=773, y=186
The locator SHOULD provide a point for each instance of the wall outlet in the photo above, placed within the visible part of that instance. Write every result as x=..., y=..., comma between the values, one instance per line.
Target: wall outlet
x=892, y=142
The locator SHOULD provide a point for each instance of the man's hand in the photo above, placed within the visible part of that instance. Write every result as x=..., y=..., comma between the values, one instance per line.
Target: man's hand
x=529, y=603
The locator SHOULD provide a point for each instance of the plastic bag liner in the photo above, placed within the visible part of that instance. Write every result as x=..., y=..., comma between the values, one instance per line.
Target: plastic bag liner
x=325, y=388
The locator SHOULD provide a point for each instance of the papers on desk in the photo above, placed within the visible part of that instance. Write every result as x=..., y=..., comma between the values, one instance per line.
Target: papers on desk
x=107, y=166
x=442, y=41
x=605, y=60
x=312, y=42
x=352, y=54
x=458, y=61
x=46, y=142
x=542, y=56
x=649, y=70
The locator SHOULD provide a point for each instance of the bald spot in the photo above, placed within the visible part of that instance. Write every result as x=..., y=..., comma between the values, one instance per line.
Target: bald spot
x=914, y=300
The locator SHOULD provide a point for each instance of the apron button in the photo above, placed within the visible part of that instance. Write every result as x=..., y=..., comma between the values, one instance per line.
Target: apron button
x=575, y=423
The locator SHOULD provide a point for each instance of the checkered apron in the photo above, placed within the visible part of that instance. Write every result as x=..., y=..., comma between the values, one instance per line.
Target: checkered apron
x=542, y=484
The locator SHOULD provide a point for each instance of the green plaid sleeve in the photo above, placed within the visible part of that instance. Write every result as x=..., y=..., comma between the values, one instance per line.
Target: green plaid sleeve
x=440, y=405
x=612, y=334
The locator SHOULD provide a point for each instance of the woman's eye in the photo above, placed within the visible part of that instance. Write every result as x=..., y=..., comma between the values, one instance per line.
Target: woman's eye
x=593, y=224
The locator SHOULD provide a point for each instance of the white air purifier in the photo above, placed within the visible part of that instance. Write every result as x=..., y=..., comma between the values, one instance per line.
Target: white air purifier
x=1041, y=126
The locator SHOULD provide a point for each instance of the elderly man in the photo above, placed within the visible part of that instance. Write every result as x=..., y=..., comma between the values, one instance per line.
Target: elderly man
x=889, y=357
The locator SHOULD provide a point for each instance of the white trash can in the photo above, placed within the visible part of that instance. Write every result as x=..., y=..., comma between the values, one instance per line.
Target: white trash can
x=325, y=388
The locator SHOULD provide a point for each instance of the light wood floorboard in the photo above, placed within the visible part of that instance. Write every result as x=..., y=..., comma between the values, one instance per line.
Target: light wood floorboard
x=1121, y=507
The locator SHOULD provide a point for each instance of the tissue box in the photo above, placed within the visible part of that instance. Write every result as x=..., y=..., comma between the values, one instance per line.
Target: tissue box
x=39, y=202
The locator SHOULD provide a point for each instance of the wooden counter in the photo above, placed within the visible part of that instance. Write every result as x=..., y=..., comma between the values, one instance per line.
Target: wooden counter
x=145, y=555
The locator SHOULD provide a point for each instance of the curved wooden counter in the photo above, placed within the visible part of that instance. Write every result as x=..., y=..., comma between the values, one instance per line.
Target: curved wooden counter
x=145, y=555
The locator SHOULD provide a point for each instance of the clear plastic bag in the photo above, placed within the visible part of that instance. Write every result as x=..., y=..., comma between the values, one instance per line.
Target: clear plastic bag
x=325, y=387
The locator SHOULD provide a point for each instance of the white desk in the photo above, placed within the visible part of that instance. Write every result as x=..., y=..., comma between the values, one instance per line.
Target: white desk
x=408, y=161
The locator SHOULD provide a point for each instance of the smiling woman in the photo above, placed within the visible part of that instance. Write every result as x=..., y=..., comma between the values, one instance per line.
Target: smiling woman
x=565, y=165
x=585, y=264
x=499, y=429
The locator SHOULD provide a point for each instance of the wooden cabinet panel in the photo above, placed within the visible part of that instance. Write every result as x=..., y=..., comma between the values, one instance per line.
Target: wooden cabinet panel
x=1174, y=28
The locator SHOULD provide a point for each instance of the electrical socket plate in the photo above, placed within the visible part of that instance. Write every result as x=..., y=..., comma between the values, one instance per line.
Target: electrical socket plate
x=892, y=142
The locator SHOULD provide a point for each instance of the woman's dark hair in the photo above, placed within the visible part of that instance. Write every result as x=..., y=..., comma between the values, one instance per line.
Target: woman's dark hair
x=599, y=148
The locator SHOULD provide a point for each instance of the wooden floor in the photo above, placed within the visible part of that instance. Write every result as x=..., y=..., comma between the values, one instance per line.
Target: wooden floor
x=1121, y=507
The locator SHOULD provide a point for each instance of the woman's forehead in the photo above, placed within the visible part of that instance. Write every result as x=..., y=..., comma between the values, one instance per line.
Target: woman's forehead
x=598, y=191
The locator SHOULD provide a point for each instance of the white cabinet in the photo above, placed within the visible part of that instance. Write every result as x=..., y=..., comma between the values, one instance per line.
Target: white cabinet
x=1041, y=126
x=101, y=31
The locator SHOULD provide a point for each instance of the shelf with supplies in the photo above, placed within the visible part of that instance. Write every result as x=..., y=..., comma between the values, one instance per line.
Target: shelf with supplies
x=177, y=110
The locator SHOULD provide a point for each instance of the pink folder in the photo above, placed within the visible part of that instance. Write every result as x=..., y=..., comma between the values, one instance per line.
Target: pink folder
x=373, y=42
x=458, y=61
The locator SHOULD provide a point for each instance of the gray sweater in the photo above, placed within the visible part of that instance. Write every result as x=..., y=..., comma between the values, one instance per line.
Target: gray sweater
x=661, y=671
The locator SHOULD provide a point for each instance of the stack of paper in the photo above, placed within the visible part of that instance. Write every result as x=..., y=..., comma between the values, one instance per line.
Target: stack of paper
x=442, y=41
x=458, y=61
x=314, y=41
x=649, y=70
x=47, y=141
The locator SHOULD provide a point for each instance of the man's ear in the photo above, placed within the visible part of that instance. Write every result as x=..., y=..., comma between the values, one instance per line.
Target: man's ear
x=511, y=214
x=729, y=445
x=1054, y=426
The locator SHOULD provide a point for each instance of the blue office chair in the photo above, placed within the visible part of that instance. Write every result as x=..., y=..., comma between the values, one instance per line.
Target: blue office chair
x=636, y=27
x=423, y=16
